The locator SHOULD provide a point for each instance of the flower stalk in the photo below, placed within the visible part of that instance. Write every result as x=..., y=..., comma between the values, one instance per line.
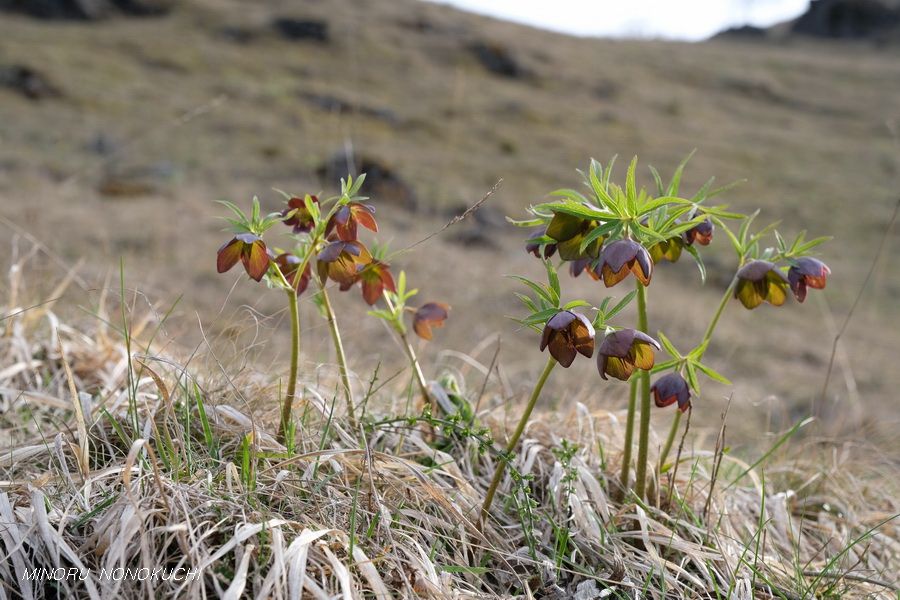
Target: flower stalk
x=339, y=350
x=511, y=445
x=644, y=434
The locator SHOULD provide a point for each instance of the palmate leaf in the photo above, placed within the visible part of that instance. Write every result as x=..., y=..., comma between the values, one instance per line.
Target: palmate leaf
x=675, y=182
x=660, y=189
x=527, y=301
x=655, y=203
x=575, y=304
x=691, y=373
x=663, y=366
x=570, y=194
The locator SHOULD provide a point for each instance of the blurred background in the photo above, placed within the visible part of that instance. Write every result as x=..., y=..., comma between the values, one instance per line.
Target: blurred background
x=123, y=121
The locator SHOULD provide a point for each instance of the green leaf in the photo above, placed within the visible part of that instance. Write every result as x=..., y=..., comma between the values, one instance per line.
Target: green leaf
x=553, y=279
x=537, y=288
x=620, y=306
x=662, y=201
x=527, y=301
x=631, y=186
x=526, y=222
x=574, y=209
x=675, y=183
x=692, y=377
x=575, y=304
x=699, y=260
x=660, y=189
x=596, y=233
x=667, y=344
x=538, y=317
x=712, y=374
x=663, y=366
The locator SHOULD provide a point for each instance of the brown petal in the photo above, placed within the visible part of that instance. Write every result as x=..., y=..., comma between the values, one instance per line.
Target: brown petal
x=432, y=314
x=229, y=255
x=562, y=349
x=256, y=259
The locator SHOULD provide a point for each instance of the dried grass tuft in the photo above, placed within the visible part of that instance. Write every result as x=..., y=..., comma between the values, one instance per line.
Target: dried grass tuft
x=385, y=511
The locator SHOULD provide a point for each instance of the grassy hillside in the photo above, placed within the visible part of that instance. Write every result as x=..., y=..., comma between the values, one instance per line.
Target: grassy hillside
x=156, y=118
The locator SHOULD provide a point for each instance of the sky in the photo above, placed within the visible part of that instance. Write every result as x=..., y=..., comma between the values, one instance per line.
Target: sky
x=669, y=19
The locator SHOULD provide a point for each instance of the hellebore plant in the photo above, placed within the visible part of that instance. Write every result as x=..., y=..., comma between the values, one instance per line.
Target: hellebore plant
x=325, y=232
x=614, y=232
x=432, y=314
x=565, y=334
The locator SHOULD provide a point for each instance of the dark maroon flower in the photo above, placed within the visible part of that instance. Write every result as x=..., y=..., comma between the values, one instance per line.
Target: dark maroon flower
x=536, y=248
x=346, y=220
x=568, y=333
x=701, y=233
x=670, y=389
x=621, y=257
x=807, y=272
x=760, y=281
x=248, y=249
x=669, y=250
x=375, y=277
x=432, y=314
x=623, y=351
x=340, y=262
x=289, y=264
x=578, y=266
x=298, y=216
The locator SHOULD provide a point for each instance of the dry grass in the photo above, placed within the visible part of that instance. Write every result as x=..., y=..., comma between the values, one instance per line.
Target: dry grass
x=108, y=461
x=202, y=118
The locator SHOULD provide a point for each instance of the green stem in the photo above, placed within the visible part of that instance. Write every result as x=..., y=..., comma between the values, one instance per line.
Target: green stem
x=629, y=434
x=339, y=350
x=644, y=435
x=288, y=403
x=427, y=398
x=523, y=421
x=707, y=335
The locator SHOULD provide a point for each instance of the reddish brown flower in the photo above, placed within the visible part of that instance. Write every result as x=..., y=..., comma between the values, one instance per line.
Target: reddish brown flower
x=621, y=257
x=670, y=389
x=289, y=264
x=347, y=219
x=760, y=281
x=340, y=262
x=669, y=250
x=807, y=272
x=432, y=314
x=623, y=351
x=375, y=277
x=248, y=249
x=701, y=233
x=298, y=216
x=568, y=333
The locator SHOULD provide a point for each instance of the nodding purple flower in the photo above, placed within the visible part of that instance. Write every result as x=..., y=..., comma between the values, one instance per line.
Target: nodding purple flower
x=340, y=262
x=701, y=233
x=547, y=249
x=807, y=272
x=298, y=217
x=346, y=220
x=623, y=351
x=432, y=314
x=289, y=265
x=578, y=266
x=247, y=248
x=567, y=334
x=670, y=389
x=760, y=281
x=375, y=277
x=622, y=257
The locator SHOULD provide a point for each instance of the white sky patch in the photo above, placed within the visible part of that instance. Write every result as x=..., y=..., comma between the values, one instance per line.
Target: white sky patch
x=670, y=19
